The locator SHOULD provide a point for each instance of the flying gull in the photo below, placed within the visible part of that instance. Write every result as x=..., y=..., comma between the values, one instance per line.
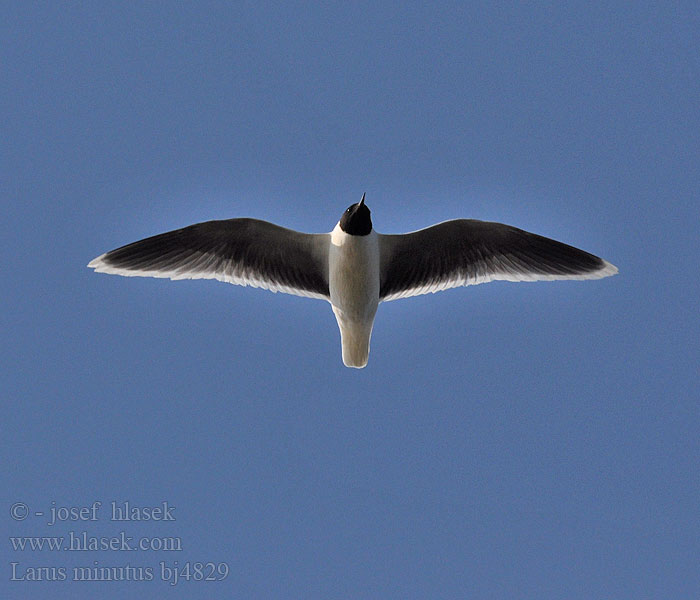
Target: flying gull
x=353, y=267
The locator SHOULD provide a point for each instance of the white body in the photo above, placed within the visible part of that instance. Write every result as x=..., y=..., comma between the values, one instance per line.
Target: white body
x=353, y=282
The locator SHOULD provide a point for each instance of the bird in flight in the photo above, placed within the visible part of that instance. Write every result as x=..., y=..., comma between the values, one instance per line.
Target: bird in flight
x=353, y=267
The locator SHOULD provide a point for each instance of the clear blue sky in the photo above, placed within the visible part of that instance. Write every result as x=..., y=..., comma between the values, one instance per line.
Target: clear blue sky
x=505, y=441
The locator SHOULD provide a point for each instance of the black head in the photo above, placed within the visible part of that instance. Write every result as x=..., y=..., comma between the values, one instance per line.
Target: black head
x=356, y=219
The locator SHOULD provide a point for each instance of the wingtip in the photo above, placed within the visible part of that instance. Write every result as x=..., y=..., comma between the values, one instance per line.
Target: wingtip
x=95, y=262
x=608, y=269
x=100, y=263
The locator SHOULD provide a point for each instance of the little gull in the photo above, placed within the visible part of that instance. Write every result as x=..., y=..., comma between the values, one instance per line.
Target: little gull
x=353, y=267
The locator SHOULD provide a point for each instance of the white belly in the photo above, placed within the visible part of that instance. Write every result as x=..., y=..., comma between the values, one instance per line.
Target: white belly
x=353, y=282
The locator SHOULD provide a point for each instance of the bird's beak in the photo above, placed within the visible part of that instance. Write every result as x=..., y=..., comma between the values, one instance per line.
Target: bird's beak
x=362, y=202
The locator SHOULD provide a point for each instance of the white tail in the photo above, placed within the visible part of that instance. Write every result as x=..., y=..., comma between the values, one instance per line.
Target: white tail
x=355, y=338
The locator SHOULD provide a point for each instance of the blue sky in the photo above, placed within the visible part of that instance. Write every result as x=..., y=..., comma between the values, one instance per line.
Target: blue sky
x=505, y=441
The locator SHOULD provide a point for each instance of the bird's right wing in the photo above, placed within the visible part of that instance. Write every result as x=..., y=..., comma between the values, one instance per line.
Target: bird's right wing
x=238, y=251
x=468, y=252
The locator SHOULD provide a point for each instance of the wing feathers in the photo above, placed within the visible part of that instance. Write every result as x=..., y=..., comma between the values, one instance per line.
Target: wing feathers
x=468, y=252
x=239, y=251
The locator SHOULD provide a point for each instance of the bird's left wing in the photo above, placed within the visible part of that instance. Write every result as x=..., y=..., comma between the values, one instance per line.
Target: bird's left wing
x=468, y=252
x=238, y=251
